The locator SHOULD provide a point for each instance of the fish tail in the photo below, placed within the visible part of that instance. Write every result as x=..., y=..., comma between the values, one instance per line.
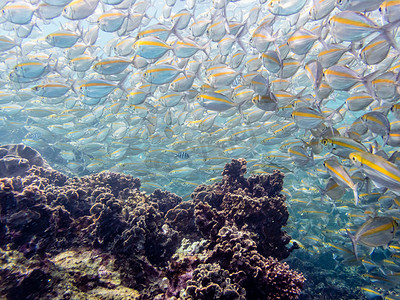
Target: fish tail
x=120, y=84
x=353, y=242
x=322, y=191
x=386, y=31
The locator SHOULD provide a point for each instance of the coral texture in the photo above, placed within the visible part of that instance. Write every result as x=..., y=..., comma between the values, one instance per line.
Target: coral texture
x=16, y=159
x=253, y=203
x=225, y=243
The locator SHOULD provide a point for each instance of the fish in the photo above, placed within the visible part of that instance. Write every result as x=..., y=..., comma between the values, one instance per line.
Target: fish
x=307, y=118
x=51, y=90
x=309, y=87
x=383, y=173
x=62, y=38
x=343, y=146
x=376, y=231
x=341, y=176
x=182, y=155
x=161, y=74
x=352, y=26
x=98, y=88
x=79, y=9
x=150, y=47
x=215, y=101
x=111, y=65
x=18, y=12
x=285, y=7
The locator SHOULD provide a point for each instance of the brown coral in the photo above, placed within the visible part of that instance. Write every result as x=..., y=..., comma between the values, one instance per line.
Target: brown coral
x=254, y=204
x=230, y=226
x=16, y=160
x=262, y=278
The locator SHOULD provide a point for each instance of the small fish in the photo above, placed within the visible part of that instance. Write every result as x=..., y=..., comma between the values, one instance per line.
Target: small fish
x=285, y=7
x=267, y=102
x=111, y=65
x=375, y=51
x=187, y=48
x=161, y=73
x=18, y=12
x=271, y=61
x=340, y=175
x=377, y=122
x=183, y=155
x=51, y=90
x=331, y=54
x=80, y=9
x=215, y=101
x=301, y=41
x=81, y=63
x=390, y=10
x=31, y=68
x=314, y=72
x=351, y=26
x=382, y=172
x=359, y=5
x=97, y=88
x=151, y=47
x=377, y=231
x=371, y=293
x=333, y=190
x=181, y=19
x=343, y=146
x=359, y=101
x=112, y=20
x=307, y=118
x=62, y=38
x=300, y=156
x=342, y=78
x=322, y=8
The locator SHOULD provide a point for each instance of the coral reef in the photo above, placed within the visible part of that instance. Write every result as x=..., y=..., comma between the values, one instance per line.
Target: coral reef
x=16, y=159
x=225, y=243
x=254, y=204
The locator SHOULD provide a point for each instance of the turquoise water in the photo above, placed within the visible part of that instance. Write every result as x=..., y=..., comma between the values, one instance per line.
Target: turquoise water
x=179, y=136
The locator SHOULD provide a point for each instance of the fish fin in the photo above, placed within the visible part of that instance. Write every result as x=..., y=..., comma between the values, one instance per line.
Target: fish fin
x=392, y=158
x=367, y=82
x=386, y=32
x=355, y=191
x=120, y=84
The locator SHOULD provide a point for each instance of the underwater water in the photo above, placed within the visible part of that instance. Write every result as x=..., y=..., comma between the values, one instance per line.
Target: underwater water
x=171, y=91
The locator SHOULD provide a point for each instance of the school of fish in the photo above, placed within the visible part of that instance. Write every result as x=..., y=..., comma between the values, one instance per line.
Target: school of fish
x=170, y=91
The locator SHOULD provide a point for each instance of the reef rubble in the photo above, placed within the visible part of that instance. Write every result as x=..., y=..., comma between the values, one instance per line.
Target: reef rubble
x=100, y=237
